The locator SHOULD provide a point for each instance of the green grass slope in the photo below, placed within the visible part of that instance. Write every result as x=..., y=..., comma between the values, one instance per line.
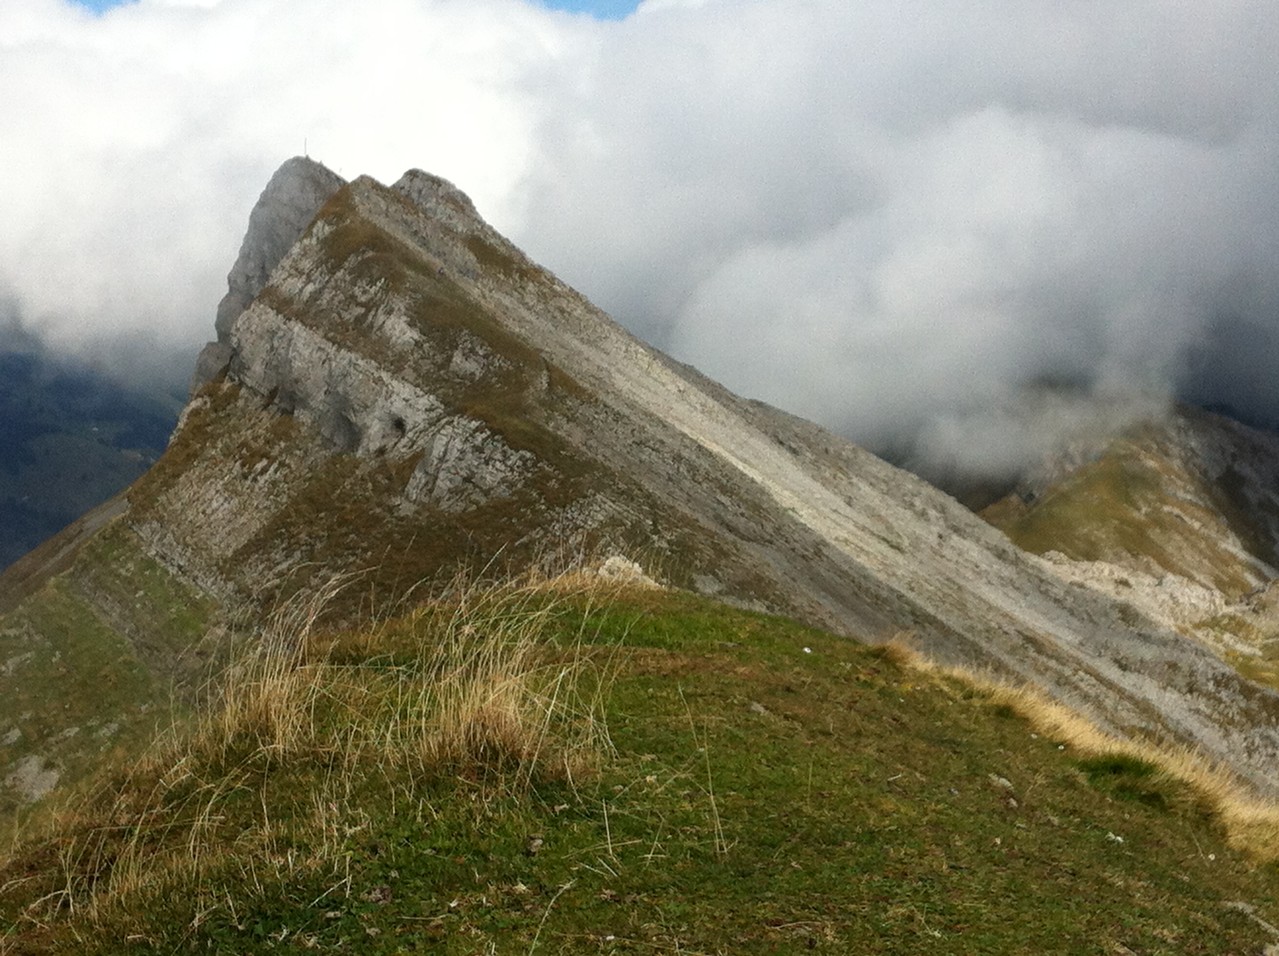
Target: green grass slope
x=540, y=770
x=89, y=660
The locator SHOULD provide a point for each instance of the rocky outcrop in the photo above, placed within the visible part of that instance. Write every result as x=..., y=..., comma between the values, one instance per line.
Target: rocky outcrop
x=286, y=207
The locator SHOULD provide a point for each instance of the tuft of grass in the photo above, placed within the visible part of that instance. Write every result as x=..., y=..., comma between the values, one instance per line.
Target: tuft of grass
x=466, y=689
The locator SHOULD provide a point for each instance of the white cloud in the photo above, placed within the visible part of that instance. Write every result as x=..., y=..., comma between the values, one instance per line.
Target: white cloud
x=885, y=215
x=136, y=142
x=888, y=215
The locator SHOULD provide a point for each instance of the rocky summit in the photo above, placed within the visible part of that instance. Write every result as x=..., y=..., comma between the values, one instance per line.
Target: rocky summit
x=397, y=392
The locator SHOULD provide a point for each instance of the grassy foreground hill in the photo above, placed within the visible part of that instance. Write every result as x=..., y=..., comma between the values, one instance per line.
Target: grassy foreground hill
x=589, y=768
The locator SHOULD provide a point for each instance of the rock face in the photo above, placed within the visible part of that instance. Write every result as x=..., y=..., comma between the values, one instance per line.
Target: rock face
x=286, y=207
x=407, y=393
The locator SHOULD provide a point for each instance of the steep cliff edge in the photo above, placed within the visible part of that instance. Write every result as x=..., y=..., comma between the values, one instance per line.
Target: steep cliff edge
x=408, y=393
x=286, y=207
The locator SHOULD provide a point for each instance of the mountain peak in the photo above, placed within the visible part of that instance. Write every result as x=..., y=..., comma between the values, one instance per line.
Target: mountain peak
x=437, y=197
x=291, y=199
x=407, y=394
x=286, y=207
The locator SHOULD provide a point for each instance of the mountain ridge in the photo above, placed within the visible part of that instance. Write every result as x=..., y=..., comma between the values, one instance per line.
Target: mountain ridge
x=408, y=393
x=1177, y=515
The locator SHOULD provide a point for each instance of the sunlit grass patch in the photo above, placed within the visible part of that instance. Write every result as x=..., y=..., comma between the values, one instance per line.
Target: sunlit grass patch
x=1139, y=770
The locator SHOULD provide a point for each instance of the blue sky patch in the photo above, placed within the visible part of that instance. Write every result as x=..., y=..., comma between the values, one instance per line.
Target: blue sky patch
x=100, y=5
x=600, y=9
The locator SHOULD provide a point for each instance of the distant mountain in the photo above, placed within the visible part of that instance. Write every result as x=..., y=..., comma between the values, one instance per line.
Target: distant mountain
x=397, y=392
x=1178, y=515
x=69, y=440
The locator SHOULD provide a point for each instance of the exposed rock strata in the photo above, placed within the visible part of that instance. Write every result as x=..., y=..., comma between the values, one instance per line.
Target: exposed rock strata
x=401, y=306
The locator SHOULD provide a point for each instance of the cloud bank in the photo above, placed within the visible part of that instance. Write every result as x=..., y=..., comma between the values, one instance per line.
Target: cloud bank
x=887, y=216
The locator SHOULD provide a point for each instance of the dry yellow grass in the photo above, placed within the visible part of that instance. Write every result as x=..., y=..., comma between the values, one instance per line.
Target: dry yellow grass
x=1251, y=821
x=466, y=687
x=843, y=762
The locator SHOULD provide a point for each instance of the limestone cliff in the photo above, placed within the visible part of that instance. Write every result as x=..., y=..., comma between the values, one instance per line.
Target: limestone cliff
x=286, y=207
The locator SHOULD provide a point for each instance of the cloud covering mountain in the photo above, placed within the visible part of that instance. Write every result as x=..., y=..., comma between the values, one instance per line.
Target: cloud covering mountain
x=885, y=216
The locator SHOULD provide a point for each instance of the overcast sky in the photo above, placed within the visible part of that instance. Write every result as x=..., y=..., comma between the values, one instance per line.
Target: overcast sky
x=888, y=215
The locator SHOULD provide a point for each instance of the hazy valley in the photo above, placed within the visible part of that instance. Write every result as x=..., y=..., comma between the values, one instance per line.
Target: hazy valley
x=72, y=439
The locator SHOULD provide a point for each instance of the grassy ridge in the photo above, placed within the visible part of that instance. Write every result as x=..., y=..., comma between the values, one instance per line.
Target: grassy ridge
x=1137, y=505
x=534, y=770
